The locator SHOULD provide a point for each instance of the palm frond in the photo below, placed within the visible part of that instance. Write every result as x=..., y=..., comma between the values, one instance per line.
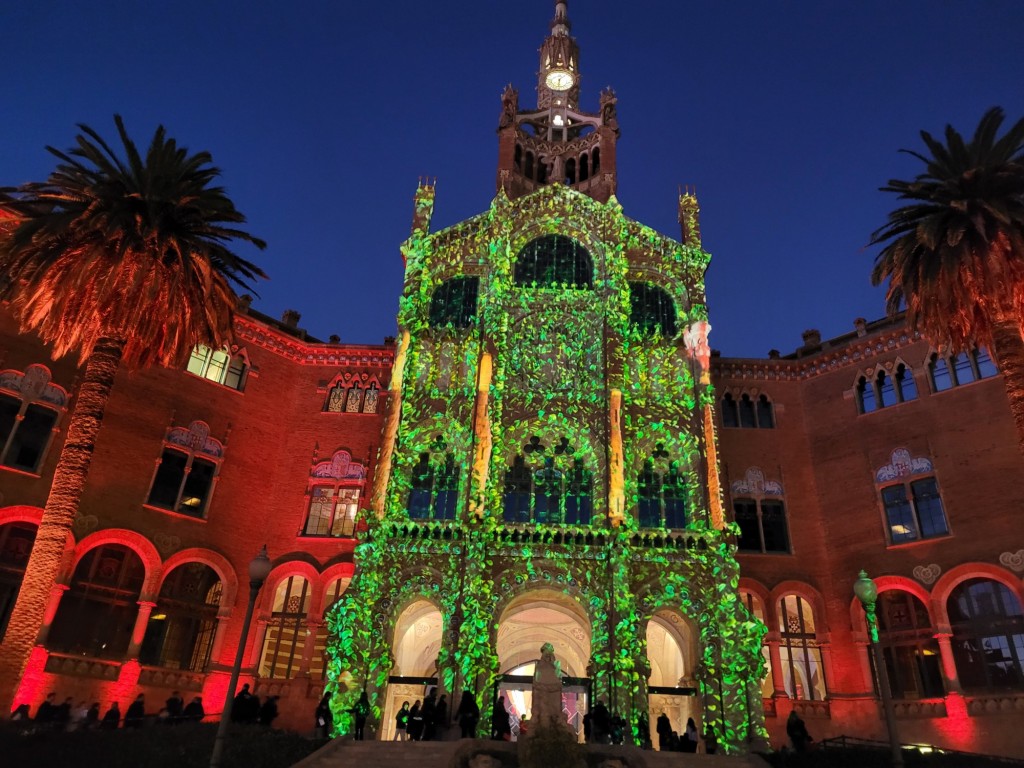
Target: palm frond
x=126, y=246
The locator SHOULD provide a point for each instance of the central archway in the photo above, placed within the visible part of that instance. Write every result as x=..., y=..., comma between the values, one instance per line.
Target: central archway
x=415, y=647
x=530, y=620
x=672, y=653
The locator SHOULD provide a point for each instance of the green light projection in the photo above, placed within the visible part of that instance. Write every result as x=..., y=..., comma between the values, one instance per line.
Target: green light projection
x=557, y=351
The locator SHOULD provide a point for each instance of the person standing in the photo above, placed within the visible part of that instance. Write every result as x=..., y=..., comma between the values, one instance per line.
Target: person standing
x=710, y=741
x=47, y=710
x=242, y=710
x=690, y=737
x=92, y=717
x=468, y=715
x=501, y=727
x=664, y=729
x=194, y=711
x=440, y=718
x=112, y=718
x=402, y=723
x=429, y=708
x=361, y=711
x=796, y=729
x=324, y=718
x=136, y=714
x=416, y=722
x=601, y=723
x=175, y=707
x=62, y=714
x=268, y=712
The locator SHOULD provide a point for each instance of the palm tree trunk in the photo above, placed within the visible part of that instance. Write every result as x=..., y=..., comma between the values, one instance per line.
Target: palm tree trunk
x=1008, y=348
x=61, y=507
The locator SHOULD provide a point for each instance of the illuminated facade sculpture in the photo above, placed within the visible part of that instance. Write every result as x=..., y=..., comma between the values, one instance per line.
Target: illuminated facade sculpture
x=549, y=444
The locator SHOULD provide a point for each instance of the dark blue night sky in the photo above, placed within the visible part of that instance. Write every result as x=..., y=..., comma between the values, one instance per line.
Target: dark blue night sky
x=787, y=116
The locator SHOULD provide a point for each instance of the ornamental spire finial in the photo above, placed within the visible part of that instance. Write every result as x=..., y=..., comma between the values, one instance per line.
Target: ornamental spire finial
x=560, y=25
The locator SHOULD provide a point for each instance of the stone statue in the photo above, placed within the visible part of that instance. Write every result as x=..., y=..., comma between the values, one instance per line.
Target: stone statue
x=547, y=691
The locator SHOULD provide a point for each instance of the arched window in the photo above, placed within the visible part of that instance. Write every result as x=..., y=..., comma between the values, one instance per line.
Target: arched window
x=762, y=525
x=578, y=495
x=886, y=390
x=218, y=365
x=914, y=510
x=97, y=614
x=802, y=670
x=348, y=397
x=16, y=541
x=370, y=398
x=570, y=171
x=335, y=399
x=938, y=369
x=866, y=395
x=554, y=260
x=988, y=636
x=518, y=488
x=182, y=625
x=948, y=371
x=908, y=643
x=286, y=632
x=548, y=490
x=435, y=483
x=652, y=310
x=730, y=413
x=547, y=494
x=765, y=413
x=30, y=406
x=187, y=470
x=906, y=387
x=446, y=485
x=518, y=157
x=528, y=169
x=355, y=399
x=454, y=303
x=317, y=665
x=584, y=168
x=334, y=490
x=755, y=606
x=596, y=157
x=747, y=417
x=662, y=496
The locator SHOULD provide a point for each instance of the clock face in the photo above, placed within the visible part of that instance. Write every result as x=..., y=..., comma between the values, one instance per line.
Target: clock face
x=559, y=80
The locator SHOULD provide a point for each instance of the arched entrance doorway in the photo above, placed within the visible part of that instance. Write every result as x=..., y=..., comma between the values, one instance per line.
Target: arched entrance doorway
x=415, y=647
x=672, y=653
x=530, y=620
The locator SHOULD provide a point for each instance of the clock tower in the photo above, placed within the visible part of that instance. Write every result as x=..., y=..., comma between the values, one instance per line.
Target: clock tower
x=558, y=142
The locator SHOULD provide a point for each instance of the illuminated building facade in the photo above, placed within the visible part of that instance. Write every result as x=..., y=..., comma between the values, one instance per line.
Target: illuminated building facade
x=545, y=462
x=540, y=457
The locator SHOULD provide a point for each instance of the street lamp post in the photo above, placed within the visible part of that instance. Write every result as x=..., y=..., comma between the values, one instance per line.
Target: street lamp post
x=867, y=592
x=259, y=569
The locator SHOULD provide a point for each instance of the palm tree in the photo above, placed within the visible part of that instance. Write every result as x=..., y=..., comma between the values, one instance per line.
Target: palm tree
x=954, y=254
x=126, y=261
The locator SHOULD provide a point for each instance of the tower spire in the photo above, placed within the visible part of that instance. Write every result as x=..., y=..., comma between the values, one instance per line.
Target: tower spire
x=557, y=142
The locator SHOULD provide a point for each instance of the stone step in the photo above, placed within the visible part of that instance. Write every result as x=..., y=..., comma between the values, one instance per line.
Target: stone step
x=345, y=753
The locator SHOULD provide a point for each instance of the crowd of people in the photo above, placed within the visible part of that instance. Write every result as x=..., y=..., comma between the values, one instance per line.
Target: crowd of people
x=247, y=708
x=69, y=716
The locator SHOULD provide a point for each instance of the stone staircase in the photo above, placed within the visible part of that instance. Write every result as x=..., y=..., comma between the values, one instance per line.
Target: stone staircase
x=345, y=753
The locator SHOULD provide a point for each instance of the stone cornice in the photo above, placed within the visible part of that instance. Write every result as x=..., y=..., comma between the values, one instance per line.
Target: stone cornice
x=253, y=332
x=848, y=353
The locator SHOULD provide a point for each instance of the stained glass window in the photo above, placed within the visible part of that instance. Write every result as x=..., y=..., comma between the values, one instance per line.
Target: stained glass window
x=554, y=260
x=454, y=302
x=652, y=310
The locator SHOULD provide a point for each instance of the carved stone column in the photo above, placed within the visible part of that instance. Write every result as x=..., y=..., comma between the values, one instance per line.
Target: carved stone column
x=56, y=594
x=139, y=632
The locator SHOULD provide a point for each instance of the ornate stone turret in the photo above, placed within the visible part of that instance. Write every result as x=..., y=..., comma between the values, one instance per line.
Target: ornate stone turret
x=556, y=142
